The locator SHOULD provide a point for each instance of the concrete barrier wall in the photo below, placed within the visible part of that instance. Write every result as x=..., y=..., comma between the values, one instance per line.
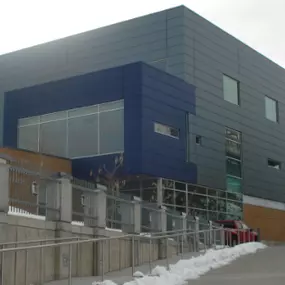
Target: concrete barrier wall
x=87, y=258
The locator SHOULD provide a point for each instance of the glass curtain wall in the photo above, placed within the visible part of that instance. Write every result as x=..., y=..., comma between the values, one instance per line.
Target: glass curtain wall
x=75, y=133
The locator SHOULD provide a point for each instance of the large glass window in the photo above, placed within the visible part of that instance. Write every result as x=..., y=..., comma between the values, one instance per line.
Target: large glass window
x=111, y=125
x=231, y=90
x=53, y=138
x=83, y=136
x=28, y=137
x=86, y=131
x=271, y=109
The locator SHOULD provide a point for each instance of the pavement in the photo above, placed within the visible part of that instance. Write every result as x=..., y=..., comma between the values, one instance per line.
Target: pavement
x=262, y=268
x=266, y=267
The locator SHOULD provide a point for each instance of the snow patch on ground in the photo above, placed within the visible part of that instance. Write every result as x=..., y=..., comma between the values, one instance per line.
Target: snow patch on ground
x=193, y=268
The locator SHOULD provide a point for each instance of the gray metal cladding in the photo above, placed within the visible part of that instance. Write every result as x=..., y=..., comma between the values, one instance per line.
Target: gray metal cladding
x=188, y=46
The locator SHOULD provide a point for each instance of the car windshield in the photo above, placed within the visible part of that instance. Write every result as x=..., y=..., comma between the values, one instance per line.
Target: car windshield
x=244, y=226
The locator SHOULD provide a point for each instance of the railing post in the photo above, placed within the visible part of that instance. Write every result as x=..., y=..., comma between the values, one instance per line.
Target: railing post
x=210, y=233
x=4, y=189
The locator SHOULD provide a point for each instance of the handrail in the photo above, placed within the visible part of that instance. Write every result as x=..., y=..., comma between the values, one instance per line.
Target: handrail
x=99, y=240
x=61, y=244
x=37, y=241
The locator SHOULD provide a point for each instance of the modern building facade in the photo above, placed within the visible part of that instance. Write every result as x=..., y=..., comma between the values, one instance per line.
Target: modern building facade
x=234, y=101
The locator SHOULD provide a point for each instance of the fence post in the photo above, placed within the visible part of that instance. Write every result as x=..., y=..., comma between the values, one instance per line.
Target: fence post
x=210, y=234
x=100, y=206
x=65, y=201
x=159, y=192
x=4, y=189
x=197, y=228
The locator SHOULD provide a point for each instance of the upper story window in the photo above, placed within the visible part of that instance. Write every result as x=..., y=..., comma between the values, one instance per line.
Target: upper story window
x=231, y=90
x=166, y=130
x=271, y=109
x=274, y=164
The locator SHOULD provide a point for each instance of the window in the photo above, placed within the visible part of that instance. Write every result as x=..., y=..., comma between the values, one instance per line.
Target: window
x=233, y=167
x=274, y=164
x=198, y=140
x=166, y=130
x=271, y=109
x=233, y=161
x=231, y=90
x=85, y=131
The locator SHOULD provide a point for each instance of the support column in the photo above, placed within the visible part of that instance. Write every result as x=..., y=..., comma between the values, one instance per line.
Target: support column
x=159, y=192
x=4, y=189
x=100, y=206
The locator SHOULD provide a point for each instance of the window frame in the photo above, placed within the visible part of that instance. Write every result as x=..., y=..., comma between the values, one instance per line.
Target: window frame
x=238, y=89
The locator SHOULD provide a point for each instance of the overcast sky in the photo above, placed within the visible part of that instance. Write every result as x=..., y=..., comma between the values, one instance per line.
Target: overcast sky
x=23, y=23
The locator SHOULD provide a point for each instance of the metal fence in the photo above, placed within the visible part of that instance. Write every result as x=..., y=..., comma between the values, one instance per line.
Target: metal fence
x=150, y=217
x=120, y=214
x=33, y=193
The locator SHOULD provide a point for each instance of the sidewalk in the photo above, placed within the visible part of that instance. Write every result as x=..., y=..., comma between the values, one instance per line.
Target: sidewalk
x=262, y=268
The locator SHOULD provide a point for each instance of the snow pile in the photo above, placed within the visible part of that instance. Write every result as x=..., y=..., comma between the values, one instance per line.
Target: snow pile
x=193, y=268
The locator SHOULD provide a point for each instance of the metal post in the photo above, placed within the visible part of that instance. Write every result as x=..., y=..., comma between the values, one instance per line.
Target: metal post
x=120, y=267
x=215, y=238
x=238, y=236
x=133, y=255
x=2, y=267
x=26, y=267
x=194, y=242
x=77, y=259
x=177, y=245
x=103, y=260
x=42, y=264
x=167, y=261
x=70, y=266
x=149, y=252
x=205, y=241
x=182, y=245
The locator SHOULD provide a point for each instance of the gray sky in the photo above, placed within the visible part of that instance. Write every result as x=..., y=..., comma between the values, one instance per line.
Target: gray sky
x=23, y=23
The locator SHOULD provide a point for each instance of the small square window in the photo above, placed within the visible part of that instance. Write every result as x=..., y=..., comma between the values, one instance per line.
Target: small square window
x=274, y=164
x=231, y=90
x=271, y=109
x=198, y=140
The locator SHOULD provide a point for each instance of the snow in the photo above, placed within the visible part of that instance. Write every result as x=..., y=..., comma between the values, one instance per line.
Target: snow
x=193, y=268
x=22, y=213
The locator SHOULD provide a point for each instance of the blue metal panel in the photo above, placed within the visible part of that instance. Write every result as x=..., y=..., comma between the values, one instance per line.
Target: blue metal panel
x=149, y=95
x=166, y=99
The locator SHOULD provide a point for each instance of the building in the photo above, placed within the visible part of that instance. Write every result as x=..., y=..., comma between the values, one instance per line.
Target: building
x=226, y=133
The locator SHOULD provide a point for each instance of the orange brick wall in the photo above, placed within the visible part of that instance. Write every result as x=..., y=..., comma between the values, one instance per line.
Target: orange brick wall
x=270, y=221
x=35, y=160
x=21, y=191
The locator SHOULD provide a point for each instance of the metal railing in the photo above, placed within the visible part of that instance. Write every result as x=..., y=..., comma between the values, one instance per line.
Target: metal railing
x=31, y=263
x=63, y=259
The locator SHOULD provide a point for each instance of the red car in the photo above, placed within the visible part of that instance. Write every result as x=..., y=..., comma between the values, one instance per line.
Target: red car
x=237, y=232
